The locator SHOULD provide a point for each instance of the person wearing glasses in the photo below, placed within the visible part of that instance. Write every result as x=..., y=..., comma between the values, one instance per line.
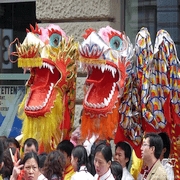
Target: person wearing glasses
x=150, y=151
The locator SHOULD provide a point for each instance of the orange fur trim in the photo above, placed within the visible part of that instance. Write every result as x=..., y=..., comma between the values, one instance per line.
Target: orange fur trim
x=105, y=127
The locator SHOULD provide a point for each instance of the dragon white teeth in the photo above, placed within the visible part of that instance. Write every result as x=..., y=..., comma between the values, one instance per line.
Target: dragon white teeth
x=51, y=70
x=102, y=105
x=102, y=68
x=35, y=108
x=106, y=102
x=48, y=66
x=98, y=105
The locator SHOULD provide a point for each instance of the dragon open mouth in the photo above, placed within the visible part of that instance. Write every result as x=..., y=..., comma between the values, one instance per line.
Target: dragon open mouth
x=102, y=86
x=43, y=79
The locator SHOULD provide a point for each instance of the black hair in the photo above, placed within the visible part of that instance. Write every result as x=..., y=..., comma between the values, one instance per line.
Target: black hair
x=92, y=154
x=4, y=142
x=156, y=141
x=166, y=143
x=42, y=158
x=8, y=162
x=116, y=170
x=65, y=146
x=12, y=140
x=30, y=155
x=127, y=150
x=105, y=150
x=31, y=141
x=80, y=153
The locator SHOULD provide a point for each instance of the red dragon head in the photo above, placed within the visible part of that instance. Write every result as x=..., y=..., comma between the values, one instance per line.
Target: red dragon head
x=106, y=56
x=50, y=100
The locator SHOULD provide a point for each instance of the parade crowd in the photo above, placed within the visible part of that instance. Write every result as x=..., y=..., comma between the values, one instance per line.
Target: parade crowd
x=76, y=160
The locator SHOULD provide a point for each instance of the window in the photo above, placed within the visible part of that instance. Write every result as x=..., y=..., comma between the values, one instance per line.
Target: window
x=155, y=15
x=14, y=19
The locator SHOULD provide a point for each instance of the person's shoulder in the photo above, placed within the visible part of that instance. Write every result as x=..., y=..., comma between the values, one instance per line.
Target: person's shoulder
x=127, y=175
x=82, y=175
x=161, y=171
x=41, y=177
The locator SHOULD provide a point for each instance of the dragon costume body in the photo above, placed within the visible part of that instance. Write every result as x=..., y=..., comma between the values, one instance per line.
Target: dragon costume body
x=130, y=91
x=47, y=109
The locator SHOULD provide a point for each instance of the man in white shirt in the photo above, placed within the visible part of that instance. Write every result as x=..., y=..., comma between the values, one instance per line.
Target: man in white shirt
x=164, y=157
x=123, y=155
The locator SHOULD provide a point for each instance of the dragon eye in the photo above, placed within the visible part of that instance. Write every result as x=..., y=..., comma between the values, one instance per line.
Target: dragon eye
x=55, y=39
x=116, y=43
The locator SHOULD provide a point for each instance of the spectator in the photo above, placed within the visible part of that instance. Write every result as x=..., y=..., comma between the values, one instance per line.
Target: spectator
x=30, y=145
x=164, y=157
x=42, y=158
x=123, y=155
x=66, y=148
x=12, y=142
x=151, y=150
x=3, y=139
x=30, y=165
x=9, y=161
x=90, y=145
x=116, y=170
x=80, y=163
x=102, y=162
x=54, y=165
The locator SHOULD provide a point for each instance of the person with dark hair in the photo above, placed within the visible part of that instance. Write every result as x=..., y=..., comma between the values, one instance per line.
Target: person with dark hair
x=54, y=165
x=8, y=161
x=12, y=142
x=42, y=158
x=66, y=148
x=102, y=162
x=123, y=155
x=3, y=139
x=90, y=145
x=164, y=157
x=116, y=170
x=30, y=145
x=151, y=150
x=80, y=163
x=30, y=166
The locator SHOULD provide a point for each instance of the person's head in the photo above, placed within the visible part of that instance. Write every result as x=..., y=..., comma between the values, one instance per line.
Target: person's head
x=8, y=162
x=123, y=153
x=152, y=146
x=3, y=139
x=79, y=157
x=1, y=154
x=54, y=164
x=30, y=145
x=66, y=148
x=102, y=159
x=116, y=170
x=166, y=145
x=31, y=165
x=42, y=158
x=12, y=142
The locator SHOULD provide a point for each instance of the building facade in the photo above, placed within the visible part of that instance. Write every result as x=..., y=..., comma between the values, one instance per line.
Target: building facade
x=74, y=17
